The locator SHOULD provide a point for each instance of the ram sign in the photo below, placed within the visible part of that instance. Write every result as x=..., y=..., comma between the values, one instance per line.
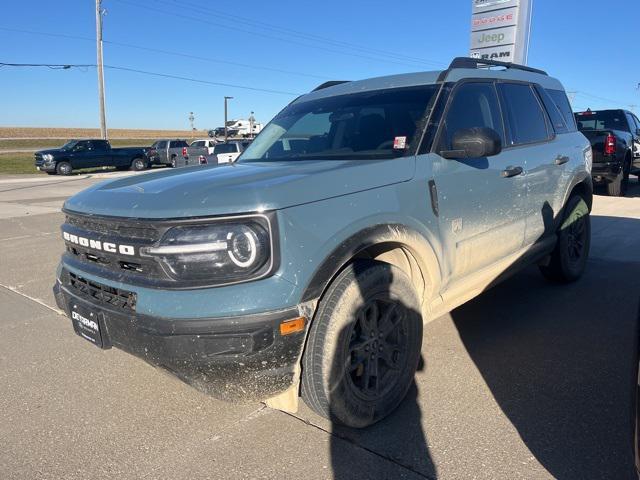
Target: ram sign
x=500, y=30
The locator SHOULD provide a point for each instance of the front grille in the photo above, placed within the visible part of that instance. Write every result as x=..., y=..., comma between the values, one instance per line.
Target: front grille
x=114, y=227
x=39, y=159
x=103, y=294
x=116, y=231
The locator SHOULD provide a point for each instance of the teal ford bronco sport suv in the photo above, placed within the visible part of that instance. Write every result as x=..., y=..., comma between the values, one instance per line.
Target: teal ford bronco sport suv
x=308, y=267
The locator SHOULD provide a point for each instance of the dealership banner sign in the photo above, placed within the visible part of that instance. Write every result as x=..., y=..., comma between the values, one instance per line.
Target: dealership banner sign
x=500, y=30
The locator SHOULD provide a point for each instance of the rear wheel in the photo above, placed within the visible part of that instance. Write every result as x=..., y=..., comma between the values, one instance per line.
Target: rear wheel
x=138, y=164
x=364, y=345
x=64, y=168
x=569, y=258
x=173, y=162
x=618, y=186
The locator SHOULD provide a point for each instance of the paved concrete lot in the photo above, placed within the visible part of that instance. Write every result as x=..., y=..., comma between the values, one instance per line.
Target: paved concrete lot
x=530, y=380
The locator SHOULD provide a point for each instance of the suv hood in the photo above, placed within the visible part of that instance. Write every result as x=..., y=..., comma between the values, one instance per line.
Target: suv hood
x=236, y=187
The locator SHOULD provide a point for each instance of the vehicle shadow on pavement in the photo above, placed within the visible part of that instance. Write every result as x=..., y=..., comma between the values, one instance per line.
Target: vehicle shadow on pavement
x=559, y=360
x=395, y=447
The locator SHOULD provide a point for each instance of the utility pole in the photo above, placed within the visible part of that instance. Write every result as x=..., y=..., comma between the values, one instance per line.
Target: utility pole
x=252, y=120
x=226, y=133
x=191, y=119
x=103, y=118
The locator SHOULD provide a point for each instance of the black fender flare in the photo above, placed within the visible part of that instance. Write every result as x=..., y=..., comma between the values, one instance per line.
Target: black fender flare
x=381, y=234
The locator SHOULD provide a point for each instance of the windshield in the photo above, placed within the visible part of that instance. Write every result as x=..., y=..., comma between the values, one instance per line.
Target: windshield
x=69, y=145
x=605, y=120
x=369, y=125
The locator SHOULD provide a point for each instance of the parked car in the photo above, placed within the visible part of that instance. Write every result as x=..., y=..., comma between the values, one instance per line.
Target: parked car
x=216, y=132
x=77, y=154
x=206, y=142
x=167, y=152
x=230, y=151
x=615, y=140
x=308, y=267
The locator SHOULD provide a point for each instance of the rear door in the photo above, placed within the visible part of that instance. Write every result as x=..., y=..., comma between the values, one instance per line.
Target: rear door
x=162, y=151
x=531, y=141
x=104, y=155
x=481, y=200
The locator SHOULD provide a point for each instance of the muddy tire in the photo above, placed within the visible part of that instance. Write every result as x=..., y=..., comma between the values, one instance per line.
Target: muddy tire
x=569, y=258
x=174, y=162
x=64, y=168
x=364, y=345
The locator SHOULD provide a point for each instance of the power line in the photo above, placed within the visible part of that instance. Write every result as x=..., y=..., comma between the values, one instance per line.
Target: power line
x=221, y=25
x=52, y=66
x=145, y=72
x=167, y=52
x=299, y=34
x=196, y=80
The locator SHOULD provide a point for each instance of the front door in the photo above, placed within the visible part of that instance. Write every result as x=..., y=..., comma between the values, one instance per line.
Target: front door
x=481, y=200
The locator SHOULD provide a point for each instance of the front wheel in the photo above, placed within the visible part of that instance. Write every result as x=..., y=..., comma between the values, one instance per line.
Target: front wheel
x=64, y=168
x=138, y=164
x=569, y=258
x=364, y=345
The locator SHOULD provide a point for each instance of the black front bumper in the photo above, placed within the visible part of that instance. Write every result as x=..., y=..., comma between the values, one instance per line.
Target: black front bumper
x=231, y=358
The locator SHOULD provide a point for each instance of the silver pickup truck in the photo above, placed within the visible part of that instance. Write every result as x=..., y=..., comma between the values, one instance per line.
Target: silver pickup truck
x=166, y=152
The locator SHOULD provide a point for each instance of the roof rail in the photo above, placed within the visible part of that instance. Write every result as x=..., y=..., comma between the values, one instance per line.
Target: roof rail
x=330, y=83
x=467, y=62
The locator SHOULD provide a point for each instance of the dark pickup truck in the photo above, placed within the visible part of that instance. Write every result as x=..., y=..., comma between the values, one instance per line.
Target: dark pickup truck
x=615, y=142
x=77, y=154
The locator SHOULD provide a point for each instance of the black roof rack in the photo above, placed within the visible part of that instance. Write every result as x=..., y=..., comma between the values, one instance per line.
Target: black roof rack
x=330, y=83
x=467, y=62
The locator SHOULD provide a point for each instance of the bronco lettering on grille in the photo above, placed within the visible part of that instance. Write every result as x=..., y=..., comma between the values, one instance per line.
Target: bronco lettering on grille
x=99, y=245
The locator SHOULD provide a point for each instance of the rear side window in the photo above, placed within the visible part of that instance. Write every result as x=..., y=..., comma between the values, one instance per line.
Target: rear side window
x=100, y=145
x=562, y=102
x=472, y=105
x=526, y=122
x=557, y=120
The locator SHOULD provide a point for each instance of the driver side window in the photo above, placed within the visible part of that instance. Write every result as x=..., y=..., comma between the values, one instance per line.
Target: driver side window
x=473, y=105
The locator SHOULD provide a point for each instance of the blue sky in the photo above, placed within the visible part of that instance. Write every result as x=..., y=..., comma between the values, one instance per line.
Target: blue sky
x=591, y=47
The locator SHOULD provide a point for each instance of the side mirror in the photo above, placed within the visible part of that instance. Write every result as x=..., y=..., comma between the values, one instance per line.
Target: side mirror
x=474, y=142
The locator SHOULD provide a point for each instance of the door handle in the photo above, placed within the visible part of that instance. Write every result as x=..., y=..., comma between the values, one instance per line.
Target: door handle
x=511, y=172
x=562, y=159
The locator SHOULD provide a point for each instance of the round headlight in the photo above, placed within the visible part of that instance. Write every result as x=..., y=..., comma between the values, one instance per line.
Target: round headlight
x=217, y=253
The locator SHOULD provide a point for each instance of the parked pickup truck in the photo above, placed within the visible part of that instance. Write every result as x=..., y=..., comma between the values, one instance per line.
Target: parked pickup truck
x=615, y=141
x=76, y=154
x=230, y=151
x=209, y=143
x=167, y=152
x=309, y=266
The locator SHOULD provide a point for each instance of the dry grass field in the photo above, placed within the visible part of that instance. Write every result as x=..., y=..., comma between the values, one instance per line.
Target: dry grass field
x=7, y=133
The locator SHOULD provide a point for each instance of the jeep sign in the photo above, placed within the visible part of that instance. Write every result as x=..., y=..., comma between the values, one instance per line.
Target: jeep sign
x=500, y=30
